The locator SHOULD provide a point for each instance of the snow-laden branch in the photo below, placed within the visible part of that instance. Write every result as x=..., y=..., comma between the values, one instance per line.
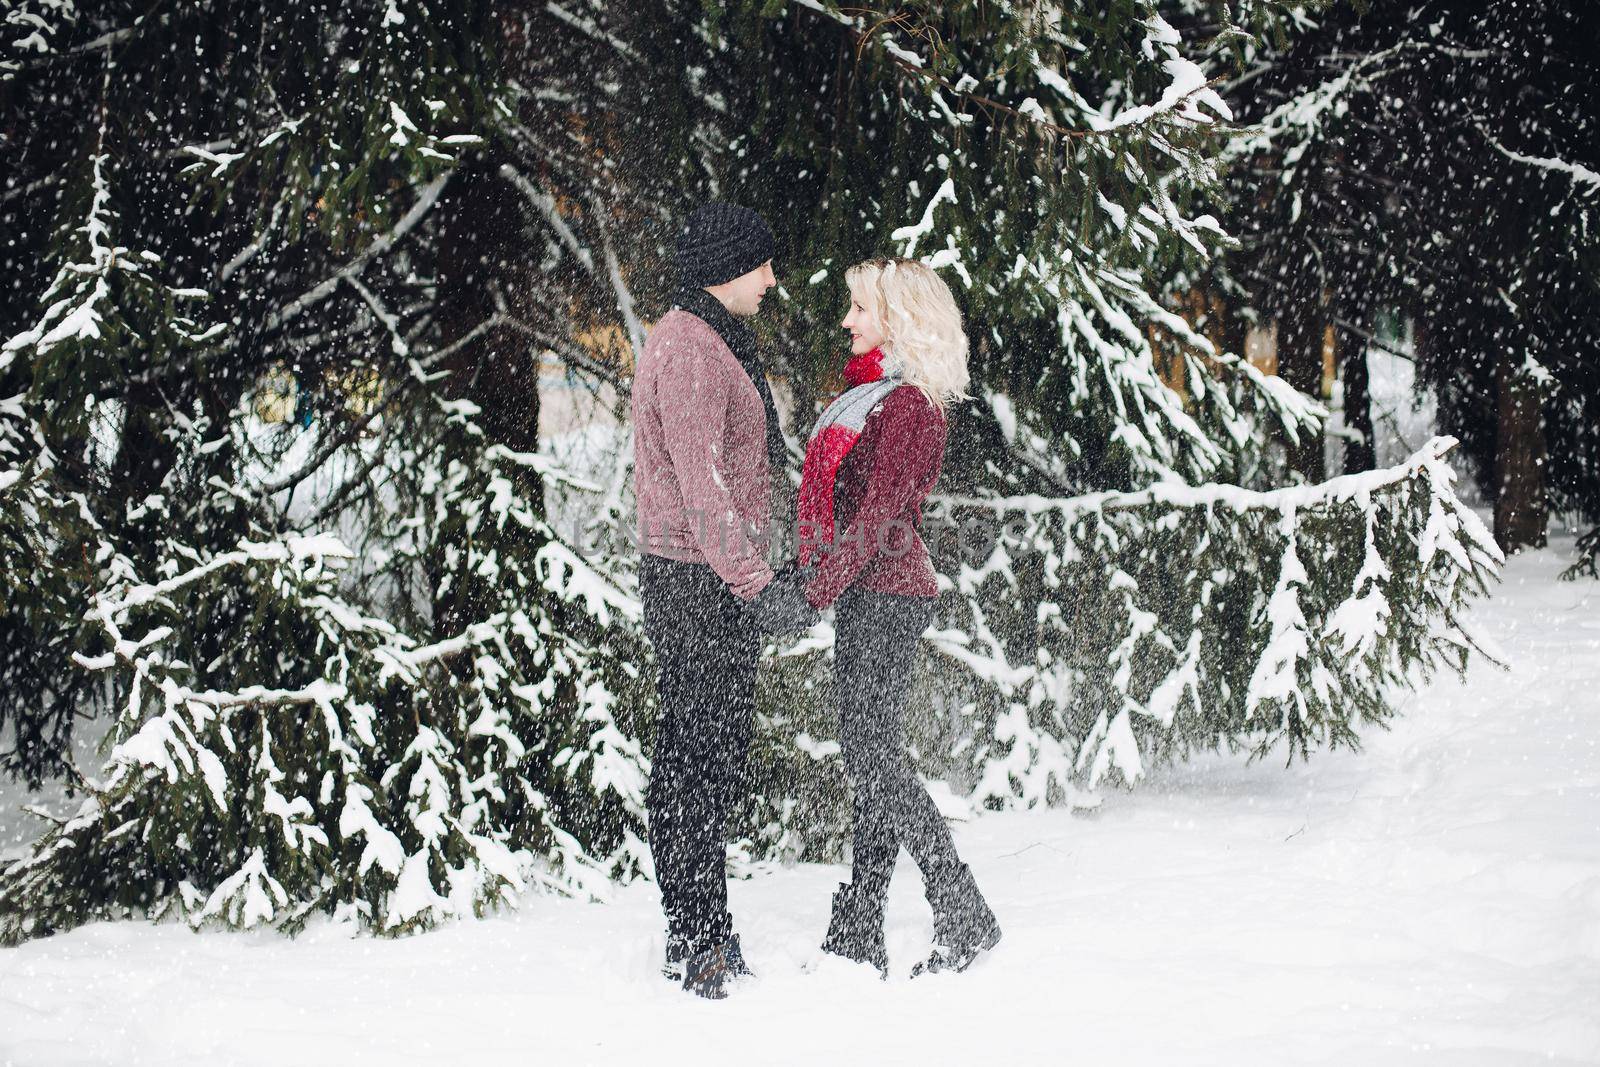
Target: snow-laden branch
x=36, y=48
x=292, y=549
x=1184, y=616
x=909, y=236
x=426, y=198
x=1587, y=180
x=1427, y=460
x=543, y=466
x=1180, y=102
x=82, y=301
x=546, y=206
x=619, y=287
x=1303, y=114
x=259, y=242
x=591, y=29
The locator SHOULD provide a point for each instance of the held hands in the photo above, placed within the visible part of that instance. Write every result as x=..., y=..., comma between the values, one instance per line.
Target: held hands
x=781, y=607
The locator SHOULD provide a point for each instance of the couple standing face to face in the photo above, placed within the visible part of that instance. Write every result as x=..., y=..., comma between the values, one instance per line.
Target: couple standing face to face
x=706, y=443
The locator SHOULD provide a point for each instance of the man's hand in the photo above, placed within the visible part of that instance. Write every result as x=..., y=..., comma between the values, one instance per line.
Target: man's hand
x=781, y=607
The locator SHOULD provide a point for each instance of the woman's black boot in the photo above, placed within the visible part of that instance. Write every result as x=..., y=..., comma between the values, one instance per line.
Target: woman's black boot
x=856, y=929
x=963, y=925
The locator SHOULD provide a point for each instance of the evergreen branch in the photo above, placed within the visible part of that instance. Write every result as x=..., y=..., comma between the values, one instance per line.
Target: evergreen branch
x=1305, y=109
x=546, y=205
x=336, y=501
x=353, y=429
x=348, y=434
x=251, y=250
x=545, y=468
x=439, y=355
x=1587, y=180
x=426, y=199
x=1372, y=339
x=399, y=344
x=624, y=297
x=293, y=548
x=1176, y=495
x=103, y=43
x=46, y=814
x=1493, y=656
x=475, y=634
x=911, y=64
x=318, y=692
x=589, y=28
x=563, y=349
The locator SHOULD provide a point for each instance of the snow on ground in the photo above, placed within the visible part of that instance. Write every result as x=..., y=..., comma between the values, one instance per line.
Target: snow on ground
x=1433, y=899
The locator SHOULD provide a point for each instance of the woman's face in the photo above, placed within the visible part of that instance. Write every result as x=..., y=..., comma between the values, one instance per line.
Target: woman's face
x=862, y=322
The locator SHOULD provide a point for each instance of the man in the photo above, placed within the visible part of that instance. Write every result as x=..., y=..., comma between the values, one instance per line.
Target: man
x=706, y=437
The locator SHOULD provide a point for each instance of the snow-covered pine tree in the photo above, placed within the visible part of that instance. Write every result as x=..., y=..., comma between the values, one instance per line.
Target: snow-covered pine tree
x=1298, y=613
x=395, y=732
x=364, y=774
x=106, y=318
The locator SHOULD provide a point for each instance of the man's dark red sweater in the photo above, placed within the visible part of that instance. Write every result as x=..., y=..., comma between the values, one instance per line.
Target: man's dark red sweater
x=877, y=502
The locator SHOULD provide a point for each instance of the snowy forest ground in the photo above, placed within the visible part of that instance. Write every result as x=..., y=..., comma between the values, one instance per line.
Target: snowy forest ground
x=1433, y=899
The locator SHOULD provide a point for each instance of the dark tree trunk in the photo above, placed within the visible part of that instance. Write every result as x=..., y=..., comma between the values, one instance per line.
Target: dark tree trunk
x=1231, y=328
x=1358, y=455
x=1520, y=513
x=144, y=457
x=1300, y=364
x=499, y=371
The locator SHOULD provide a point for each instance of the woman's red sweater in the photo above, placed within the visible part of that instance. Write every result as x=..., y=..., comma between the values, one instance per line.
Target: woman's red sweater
x=877, y=502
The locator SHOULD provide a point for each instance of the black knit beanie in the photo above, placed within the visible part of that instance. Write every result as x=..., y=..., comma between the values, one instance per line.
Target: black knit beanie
x=720, y=242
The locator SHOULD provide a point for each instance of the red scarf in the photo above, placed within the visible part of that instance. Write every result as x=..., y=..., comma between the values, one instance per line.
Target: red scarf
x=867, y=367
x=835, y=433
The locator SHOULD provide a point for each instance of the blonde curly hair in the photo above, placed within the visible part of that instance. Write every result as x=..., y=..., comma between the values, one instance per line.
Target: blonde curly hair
x=920, y=322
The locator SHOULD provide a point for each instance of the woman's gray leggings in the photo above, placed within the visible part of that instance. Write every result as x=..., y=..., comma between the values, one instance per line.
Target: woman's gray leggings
x=875, y=650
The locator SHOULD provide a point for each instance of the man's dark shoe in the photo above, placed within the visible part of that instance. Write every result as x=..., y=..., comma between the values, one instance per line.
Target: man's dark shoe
x=963, y=925
x=712, y=972
x=679, y=949
x=856, y=929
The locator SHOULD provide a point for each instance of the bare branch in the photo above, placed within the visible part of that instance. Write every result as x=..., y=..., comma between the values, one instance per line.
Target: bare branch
x=324, y=289
x=547, y=207
x=624, y=296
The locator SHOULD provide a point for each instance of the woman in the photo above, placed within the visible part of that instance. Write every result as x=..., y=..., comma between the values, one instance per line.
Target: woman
x=871, y=460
